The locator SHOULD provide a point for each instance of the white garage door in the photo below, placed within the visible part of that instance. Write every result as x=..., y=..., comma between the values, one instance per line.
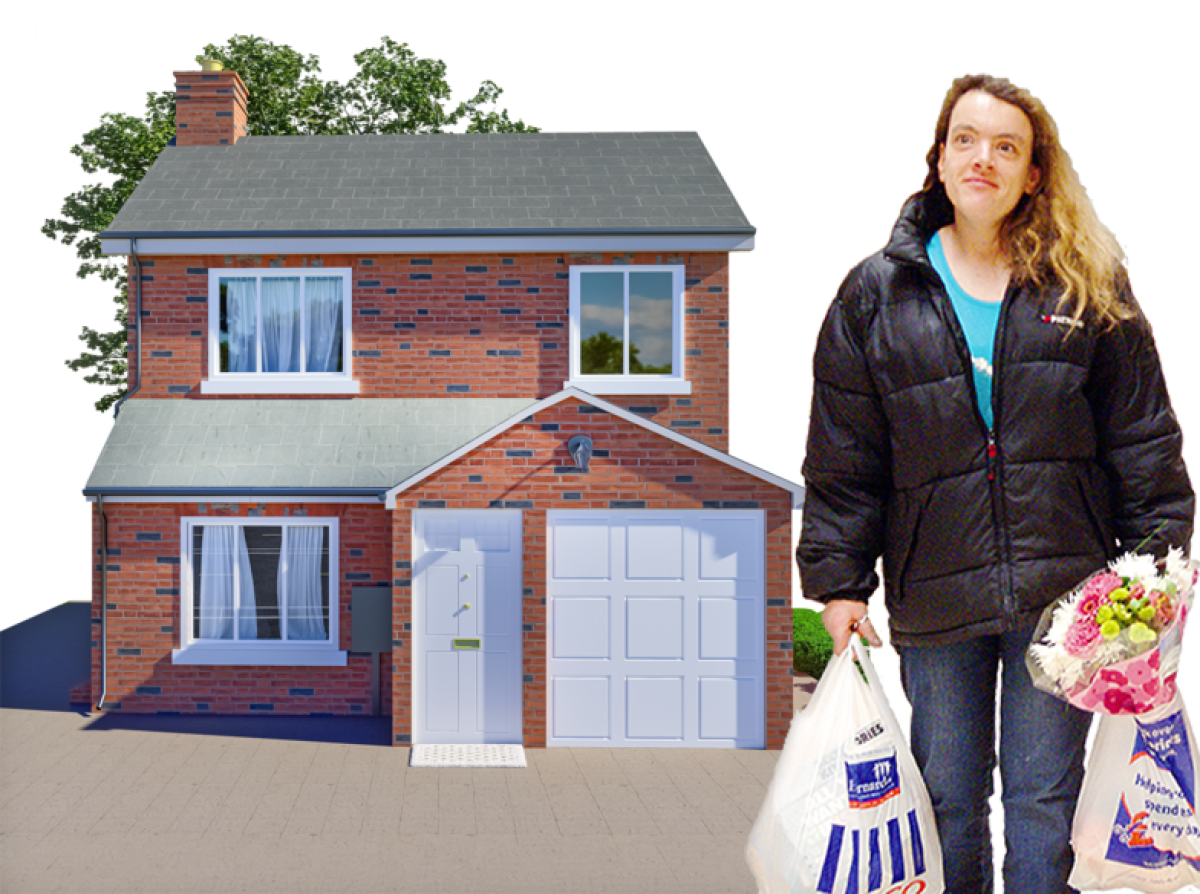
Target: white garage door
x=656, y=628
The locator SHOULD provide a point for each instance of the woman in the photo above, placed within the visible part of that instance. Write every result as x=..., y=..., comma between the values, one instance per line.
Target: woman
x=989, y=415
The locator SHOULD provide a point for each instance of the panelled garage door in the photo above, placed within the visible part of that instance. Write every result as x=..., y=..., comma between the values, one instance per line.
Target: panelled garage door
x=656, y=628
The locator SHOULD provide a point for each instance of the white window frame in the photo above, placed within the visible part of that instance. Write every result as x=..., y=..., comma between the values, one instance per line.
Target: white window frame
x=676, y=383
x=262, y=652
x=278, y=383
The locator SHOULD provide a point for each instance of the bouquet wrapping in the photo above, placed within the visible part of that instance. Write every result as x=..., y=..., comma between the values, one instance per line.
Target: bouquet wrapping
x=1112, y=645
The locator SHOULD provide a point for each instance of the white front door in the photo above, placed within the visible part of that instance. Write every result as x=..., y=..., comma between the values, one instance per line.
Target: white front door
x=656, y=632
x=467, y=627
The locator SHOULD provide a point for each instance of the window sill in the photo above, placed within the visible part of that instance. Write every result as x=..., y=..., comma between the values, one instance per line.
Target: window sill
x=290, y=654
x=600, y=385
x=278, y=385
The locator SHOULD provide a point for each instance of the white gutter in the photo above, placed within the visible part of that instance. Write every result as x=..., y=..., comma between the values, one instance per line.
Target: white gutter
x=283, y=244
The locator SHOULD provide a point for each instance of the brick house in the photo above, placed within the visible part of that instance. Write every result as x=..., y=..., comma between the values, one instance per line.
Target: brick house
x=478, y=380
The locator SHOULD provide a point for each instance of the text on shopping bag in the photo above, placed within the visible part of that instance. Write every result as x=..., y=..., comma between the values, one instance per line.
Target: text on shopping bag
x=1166, y=743
x=872, y=782
x=1156, y=815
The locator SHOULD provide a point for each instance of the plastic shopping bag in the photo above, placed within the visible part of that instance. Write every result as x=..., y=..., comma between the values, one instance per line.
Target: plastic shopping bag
x=1136, y=825
x=847, y=811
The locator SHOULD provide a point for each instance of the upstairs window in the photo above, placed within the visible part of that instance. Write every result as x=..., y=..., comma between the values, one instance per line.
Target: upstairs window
x=279, y=331
x=627, y=330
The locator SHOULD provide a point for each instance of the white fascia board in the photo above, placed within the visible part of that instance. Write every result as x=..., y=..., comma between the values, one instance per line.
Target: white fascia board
x=182, y=245
x=796, y=490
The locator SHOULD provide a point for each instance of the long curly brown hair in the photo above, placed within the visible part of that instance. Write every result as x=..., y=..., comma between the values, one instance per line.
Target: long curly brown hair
x=1053, y=235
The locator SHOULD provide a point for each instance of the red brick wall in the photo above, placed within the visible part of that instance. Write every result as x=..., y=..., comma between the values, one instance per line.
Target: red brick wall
x=144, y=614
x=210, y=108
x=144, y=573
x=404, y=319
x=640, y=466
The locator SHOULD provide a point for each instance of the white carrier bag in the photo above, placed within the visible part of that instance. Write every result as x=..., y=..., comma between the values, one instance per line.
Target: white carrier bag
x=1137, y=824
x=847, y=811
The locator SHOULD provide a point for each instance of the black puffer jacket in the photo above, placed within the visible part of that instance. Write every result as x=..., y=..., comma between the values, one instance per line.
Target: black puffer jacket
x=978, y=534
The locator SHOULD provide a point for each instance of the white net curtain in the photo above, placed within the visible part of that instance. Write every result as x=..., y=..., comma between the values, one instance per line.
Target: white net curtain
x=251, y=573
x=277, y=324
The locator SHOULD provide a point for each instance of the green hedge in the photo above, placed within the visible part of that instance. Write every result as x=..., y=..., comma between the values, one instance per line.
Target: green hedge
x=813, y=646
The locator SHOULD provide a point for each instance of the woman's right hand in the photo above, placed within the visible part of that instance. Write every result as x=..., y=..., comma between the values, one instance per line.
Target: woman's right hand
x=843, y=618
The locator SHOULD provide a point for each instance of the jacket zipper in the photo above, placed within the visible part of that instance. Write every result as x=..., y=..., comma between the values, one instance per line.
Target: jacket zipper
x=995, y=474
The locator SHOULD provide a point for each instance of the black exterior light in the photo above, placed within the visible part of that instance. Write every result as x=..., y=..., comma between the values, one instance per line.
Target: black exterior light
x=580, y=448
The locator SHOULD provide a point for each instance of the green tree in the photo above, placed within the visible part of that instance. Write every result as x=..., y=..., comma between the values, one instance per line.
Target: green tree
x=393, y=92
x=642, y=369
x=603, y=354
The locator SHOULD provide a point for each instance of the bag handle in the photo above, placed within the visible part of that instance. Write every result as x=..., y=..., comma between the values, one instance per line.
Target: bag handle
x=873, y=683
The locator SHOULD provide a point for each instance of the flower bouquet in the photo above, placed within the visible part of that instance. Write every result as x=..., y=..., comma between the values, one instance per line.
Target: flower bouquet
x=1112, y=645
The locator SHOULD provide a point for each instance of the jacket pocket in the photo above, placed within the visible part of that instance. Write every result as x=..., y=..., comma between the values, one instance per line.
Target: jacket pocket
x=1097, y=516
x=903, y=533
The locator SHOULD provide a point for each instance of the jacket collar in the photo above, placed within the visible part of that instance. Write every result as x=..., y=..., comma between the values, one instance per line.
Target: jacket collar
x=922, y=216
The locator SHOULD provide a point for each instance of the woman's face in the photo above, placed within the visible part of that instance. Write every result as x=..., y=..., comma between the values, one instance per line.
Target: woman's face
x=986, y=162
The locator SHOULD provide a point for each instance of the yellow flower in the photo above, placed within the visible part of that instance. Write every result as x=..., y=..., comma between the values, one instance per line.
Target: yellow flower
x=1140, y=633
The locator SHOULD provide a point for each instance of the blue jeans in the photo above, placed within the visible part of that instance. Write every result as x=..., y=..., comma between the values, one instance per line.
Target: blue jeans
x=952, y=690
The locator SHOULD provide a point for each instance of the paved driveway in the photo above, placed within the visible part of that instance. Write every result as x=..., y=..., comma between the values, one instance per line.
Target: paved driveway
x=169, y=804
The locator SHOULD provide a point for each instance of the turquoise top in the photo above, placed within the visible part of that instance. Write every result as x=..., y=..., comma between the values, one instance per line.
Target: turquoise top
x=978, y=319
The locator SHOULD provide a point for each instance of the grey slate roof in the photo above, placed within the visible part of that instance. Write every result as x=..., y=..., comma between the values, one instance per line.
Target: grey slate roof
x=288, y=443
x=478, y=183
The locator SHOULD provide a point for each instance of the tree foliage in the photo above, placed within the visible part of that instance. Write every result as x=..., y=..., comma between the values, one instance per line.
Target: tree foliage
x=603, y=354
x=393, y=92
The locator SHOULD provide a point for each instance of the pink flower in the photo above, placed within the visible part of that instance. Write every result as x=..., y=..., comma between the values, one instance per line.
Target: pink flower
x=1164, y=614
x=1096, y=591
x=1153, y=659
x=1082, y=636
x=1087, y=606
x=1151, y=687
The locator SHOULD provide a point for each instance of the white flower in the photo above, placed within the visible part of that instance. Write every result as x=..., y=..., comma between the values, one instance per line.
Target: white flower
x=1064, y=670
x=1061, y=619
x=1157, y=583
x=1179, y=569
x=1134, y=566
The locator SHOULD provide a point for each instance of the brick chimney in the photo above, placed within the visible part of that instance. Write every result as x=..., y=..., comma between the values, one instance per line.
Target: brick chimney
x=210, y=108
